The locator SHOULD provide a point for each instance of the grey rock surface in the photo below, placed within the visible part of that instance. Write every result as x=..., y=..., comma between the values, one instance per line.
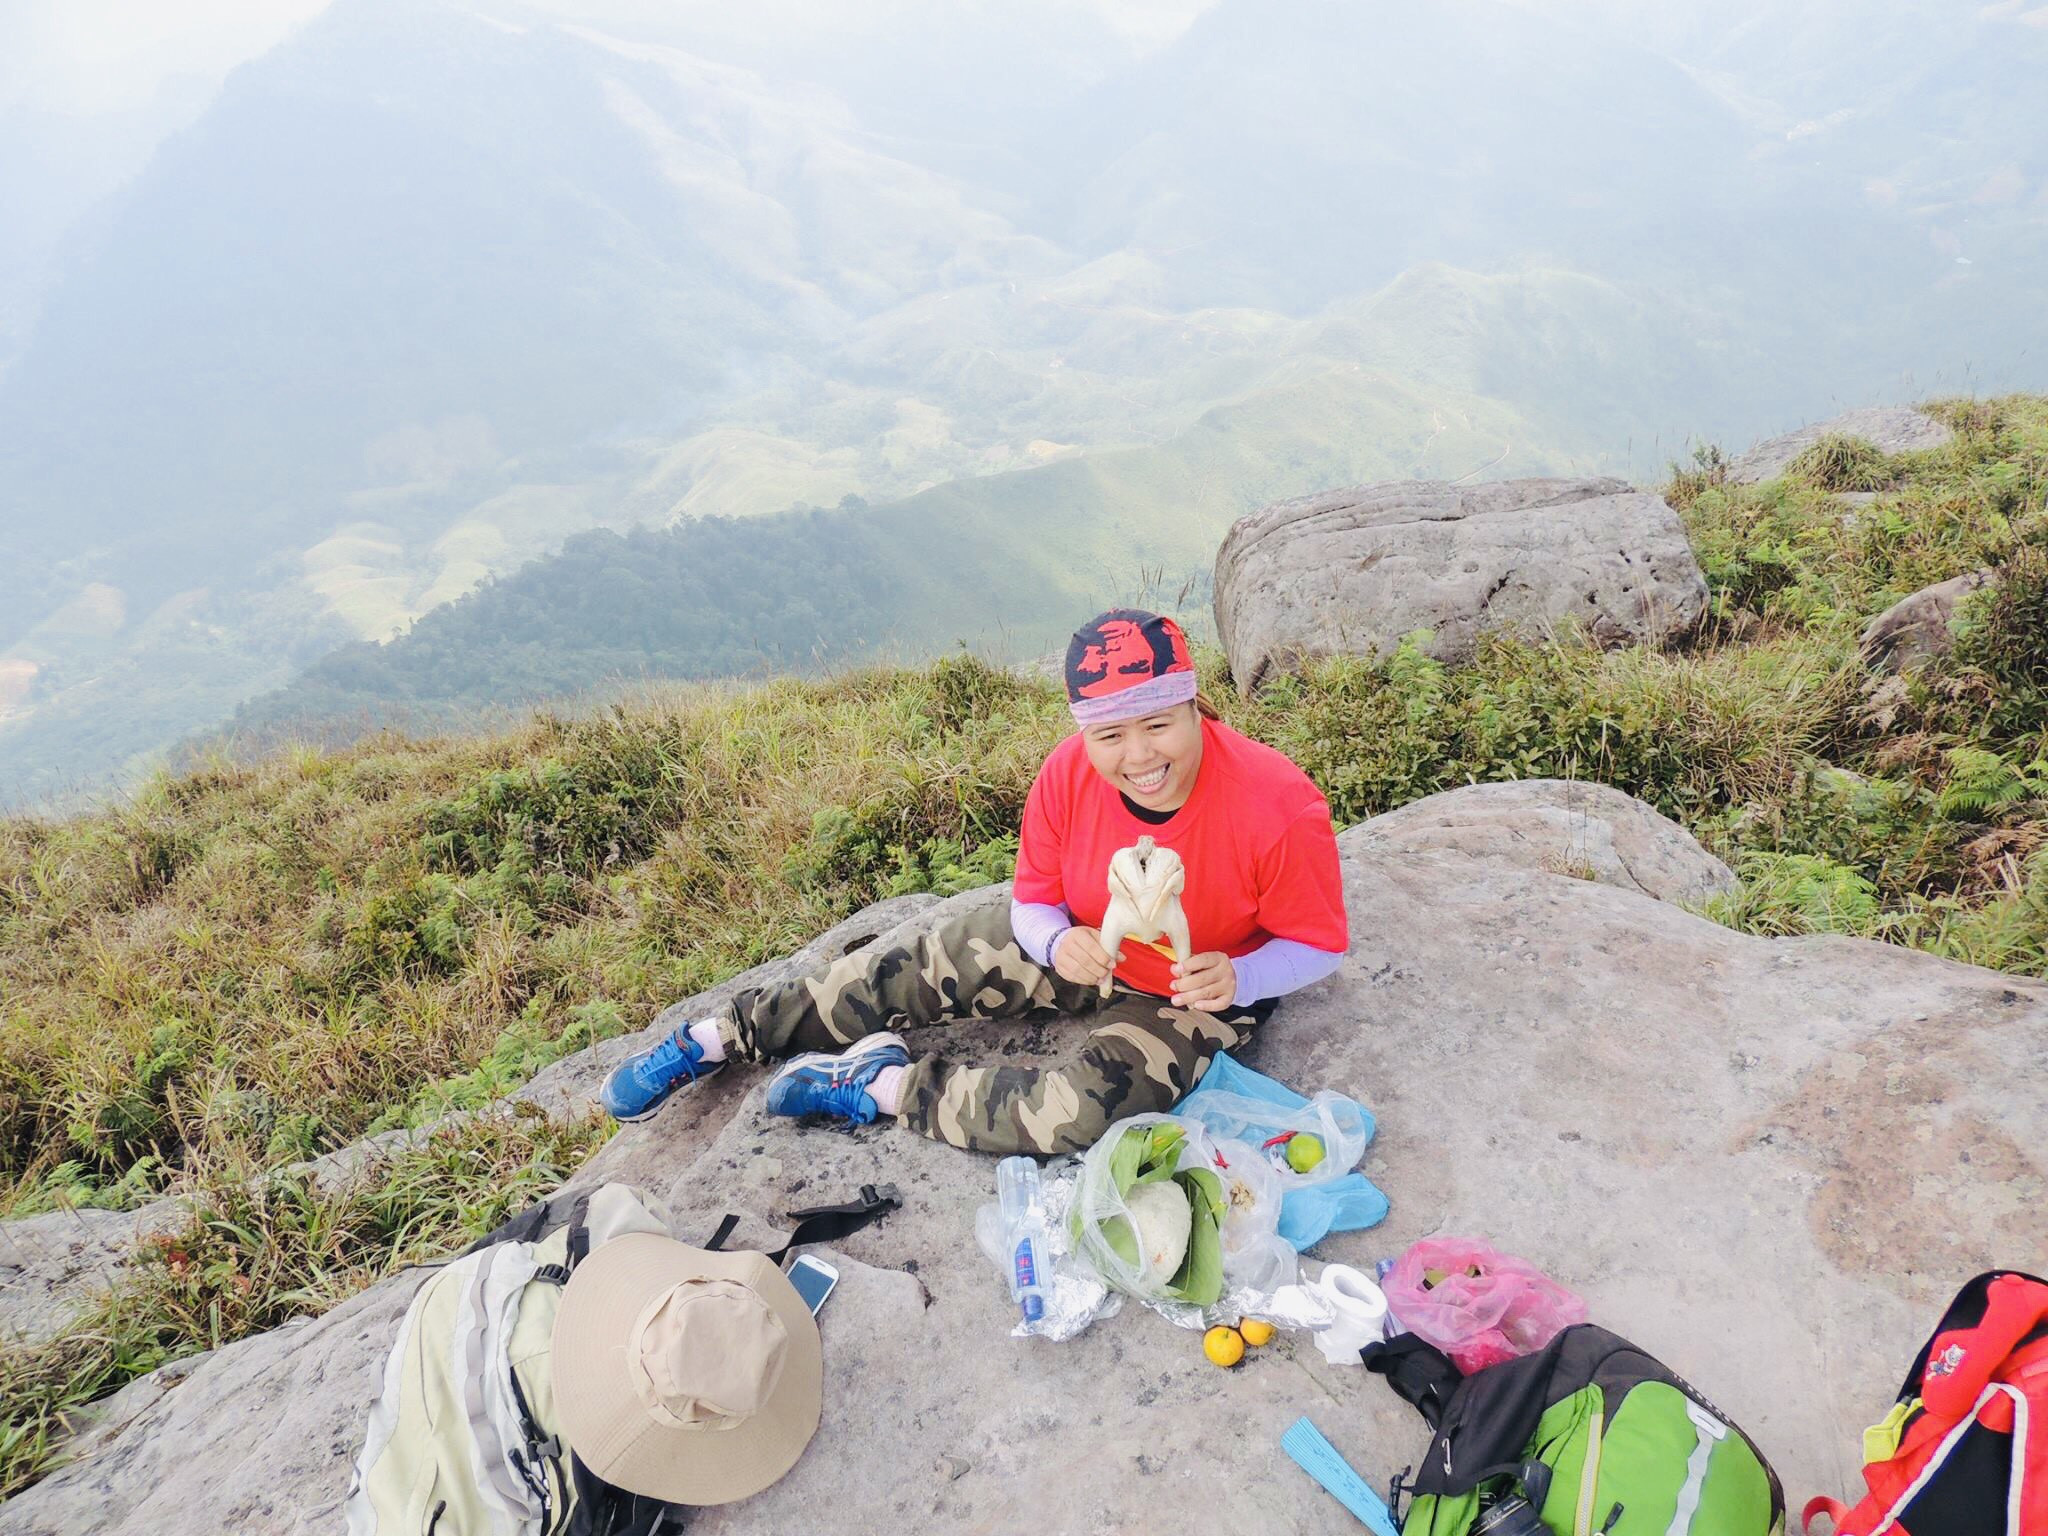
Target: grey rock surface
x=1556, y=826
x=1350, y=572
x=53, y=1264
x=1892, y=428
x=1767, y=1161
x=1917, y=628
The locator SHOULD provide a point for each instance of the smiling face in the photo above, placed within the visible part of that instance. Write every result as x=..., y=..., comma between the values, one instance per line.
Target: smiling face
x=1153, y=759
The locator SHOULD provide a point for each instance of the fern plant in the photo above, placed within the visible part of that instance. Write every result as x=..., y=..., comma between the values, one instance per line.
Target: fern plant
x=1982, y=783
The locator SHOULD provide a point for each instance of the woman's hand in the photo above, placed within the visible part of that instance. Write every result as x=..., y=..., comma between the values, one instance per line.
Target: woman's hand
x=1079, y=956
x=1207, y=982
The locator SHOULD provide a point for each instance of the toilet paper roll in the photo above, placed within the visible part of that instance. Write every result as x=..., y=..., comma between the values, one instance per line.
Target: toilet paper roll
x=1359, y=1309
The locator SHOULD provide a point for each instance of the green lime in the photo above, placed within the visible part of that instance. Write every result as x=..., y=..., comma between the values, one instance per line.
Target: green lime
x=1304, y=1151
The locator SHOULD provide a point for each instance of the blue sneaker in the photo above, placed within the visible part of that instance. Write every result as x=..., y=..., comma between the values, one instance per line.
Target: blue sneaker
x=824, y=1084
x=641, y=1084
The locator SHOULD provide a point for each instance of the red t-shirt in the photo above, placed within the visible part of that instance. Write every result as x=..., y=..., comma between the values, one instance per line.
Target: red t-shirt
x=1254, y=837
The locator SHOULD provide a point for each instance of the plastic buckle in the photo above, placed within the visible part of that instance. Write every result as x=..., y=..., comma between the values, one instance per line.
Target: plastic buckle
x=873, y=1197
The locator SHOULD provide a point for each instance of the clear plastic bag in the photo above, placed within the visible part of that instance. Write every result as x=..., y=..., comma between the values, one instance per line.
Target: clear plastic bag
x=1255, y=1256
x=1484, y=1307
x=1148, y=1210
x=1337, y=1122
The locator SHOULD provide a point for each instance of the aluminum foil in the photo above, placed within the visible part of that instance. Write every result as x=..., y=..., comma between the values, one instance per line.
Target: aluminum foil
x=1075, y=1295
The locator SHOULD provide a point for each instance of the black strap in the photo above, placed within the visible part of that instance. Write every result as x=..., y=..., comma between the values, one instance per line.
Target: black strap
x=578, y=1222
x=604, y=1509
x=1531, y=1476
x=821, y=1223
x=541, y=1449
x=579, y=1229
x=1421, y=1373
x=537, y=1221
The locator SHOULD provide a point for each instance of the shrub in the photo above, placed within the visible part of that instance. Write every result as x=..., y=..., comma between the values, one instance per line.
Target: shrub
x=1841, y=463
x=1687, y=733
x=2003, y=633
x=1788, y=893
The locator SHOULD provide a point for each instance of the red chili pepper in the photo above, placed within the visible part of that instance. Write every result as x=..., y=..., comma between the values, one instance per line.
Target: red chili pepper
x=1274, y=1141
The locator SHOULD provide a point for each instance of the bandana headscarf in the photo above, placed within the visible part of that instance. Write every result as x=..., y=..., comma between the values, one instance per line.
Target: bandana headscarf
x=1125, y=664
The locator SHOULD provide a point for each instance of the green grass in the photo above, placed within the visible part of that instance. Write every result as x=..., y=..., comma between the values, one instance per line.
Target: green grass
x=254, y=963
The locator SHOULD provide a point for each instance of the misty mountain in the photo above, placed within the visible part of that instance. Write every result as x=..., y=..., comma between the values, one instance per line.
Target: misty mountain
x=433, y=287
x=1302, y=151
x=413, y=243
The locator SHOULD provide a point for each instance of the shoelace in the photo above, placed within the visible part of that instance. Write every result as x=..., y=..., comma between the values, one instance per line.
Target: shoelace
x=849, y=1099
x=650, y=1070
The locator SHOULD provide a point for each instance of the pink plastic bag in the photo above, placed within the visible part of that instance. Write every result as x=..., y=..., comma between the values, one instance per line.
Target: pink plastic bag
x=1509, y=1308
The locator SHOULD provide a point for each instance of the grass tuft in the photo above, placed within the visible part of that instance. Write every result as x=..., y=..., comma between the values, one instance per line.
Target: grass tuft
x=1841, y=463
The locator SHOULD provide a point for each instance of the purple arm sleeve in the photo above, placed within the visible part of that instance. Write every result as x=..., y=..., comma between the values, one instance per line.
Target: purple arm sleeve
x=1037, y=926
x=1280, y=966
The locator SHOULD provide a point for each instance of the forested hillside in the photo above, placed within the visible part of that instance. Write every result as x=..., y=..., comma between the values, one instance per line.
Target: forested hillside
x=1001, y=564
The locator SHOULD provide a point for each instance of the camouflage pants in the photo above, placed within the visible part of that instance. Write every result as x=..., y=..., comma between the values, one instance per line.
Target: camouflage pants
x=1142, y=1055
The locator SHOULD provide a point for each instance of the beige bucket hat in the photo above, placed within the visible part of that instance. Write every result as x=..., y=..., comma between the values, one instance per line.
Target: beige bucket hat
x=685, y=1375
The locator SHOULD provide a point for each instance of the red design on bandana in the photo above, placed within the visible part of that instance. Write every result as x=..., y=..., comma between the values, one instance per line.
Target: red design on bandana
x=1122, y=647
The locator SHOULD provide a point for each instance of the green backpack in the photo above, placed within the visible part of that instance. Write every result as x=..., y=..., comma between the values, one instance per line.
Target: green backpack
x=1600, y=1438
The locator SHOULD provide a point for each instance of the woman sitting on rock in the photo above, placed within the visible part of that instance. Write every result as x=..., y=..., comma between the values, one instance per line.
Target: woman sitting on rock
x=1263, y=898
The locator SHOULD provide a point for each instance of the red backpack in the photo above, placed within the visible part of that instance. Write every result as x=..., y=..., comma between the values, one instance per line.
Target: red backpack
x=1964, y=1451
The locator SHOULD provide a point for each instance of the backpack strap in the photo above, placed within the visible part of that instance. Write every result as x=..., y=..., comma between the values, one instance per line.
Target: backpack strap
x=537, y=1221
x=603, y=1509
x=821, y=1223
x=1531, y=1475
x=1421, y=1373
x=578, y=1224
x=527, y=1226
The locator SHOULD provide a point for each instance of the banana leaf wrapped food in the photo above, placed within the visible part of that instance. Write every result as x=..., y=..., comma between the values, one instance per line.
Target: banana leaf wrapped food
x=1148, y=1211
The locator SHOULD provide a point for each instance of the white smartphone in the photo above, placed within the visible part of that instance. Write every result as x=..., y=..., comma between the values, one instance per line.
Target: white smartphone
x=813, y=1279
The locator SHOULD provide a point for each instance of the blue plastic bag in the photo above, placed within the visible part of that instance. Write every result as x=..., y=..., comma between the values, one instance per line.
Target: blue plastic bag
x=1306, y=1214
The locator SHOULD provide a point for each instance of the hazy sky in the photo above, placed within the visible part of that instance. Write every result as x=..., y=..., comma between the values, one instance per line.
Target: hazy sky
x=92, y=56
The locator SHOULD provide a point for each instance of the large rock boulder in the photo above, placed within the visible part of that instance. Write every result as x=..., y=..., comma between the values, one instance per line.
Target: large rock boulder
x=1350, y=572
x=1559, y=827
x=1918, y=628
x=1768, y=1161
x=1890, y=428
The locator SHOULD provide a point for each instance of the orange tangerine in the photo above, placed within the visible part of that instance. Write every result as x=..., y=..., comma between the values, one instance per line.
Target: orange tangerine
x=1224, y=1346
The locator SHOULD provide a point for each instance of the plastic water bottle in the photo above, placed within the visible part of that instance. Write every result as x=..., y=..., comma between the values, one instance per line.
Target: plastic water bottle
x=1023, y=1211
